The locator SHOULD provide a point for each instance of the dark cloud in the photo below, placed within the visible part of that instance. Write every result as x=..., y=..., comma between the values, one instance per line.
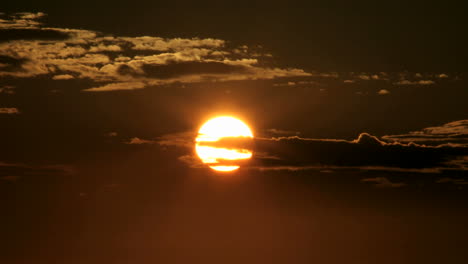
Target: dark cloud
x=15, y=171
x=10, y=178
x=7, y=89
x=457, y=181
x=31, y=34
x=366, y=151
x=172, y=70
x=10, y=64
x=383, y=182
x=455, y=133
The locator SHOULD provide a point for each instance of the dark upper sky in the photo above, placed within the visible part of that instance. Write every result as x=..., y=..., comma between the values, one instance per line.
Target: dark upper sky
x=358, y=109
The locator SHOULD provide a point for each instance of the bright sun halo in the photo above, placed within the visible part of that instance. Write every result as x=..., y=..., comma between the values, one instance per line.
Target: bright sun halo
x=214, y=130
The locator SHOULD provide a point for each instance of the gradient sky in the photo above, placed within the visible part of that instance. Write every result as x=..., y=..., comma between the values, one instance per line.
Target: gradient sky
x=359, y=112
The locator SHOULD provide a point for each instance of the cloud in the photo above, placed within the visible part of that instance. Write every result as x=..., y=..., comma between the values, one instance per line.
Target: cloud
x=117, y=87
x=383, y=92
x=364, y=77
x=456, y=181
x=63, y=77
x=14, y=171
x=280, y=132
x=9, y=110
x=111, y=134
x=10, y=178
x=419, y=82
x=454, y=133
x=442, y=76
x=383, y=182
x=7, y=89
x=184, y=139
x=366, y=153
x=138, y=141
x=30, y=49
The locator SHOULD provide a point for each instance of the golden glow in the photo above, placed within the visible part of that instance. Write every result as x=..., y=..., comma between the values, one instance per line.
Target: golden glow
x=216, y=129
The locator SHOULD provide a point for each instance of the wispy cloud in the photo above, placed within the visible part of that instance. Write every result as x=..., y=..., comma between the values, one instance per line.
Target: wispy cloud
x=383, y=182
x=454, y=133
x=7, y=89
x=9, y=110
x=12, y=172
x=457, y=181
x=417, y=82
x=139, y=141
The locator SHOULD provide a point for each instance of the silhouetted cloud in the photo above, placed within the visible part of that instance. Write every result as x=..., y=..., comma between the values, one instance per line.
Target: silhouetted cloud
x=383, y=182
x=138, y=141
x=457, y=181
x=7, y=89
x=10, y=178
x=366, y=153
x=14, y=171
x=455, y=133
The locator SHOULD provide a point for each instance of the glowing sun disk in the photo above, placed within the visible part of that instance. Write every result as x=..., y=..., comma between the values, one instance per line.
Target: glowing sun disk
x=214, y=130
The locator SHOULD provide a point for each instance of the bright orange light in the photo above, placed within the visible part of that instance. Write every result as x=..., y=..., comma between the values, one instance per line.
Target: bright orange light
x=214, y=130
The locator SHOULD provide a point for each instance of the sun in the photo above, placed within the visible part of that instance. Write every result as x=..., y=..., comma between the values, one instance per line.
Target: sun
x=212, y=152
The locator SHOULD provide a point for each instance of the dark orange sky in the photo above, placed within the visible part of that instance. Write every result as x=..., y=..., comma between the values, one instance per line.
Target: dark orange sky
x=358, y=109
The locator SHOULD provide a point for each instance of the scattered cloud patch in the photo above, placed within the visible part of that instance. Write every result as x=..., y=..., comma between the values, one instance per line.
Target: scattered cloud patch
x=457, y=181
x=383, y=92
x=382, y=182
x=10, y=178
x=280, y=132
x=442, y=76
x=184, y=139
x=9, y=110
x=418, y=82
x=111, y=134
x=7, y=89
x=124, y=63
x=14, y=171
x=139, y=141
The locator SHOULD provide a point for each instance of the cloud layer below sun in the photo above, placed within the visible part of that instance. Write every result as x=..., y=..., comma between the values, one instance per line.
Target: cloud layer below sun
x=30, y=49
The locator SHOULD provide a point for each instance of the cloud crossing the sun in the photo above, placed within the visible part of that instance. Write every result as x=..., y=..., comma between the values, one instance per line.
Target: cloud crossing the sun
x=365, y=153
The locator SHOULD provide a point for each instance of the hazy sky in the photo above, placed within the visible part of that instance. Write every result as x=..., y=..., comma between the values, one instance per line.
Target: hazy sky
x=359, y=112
